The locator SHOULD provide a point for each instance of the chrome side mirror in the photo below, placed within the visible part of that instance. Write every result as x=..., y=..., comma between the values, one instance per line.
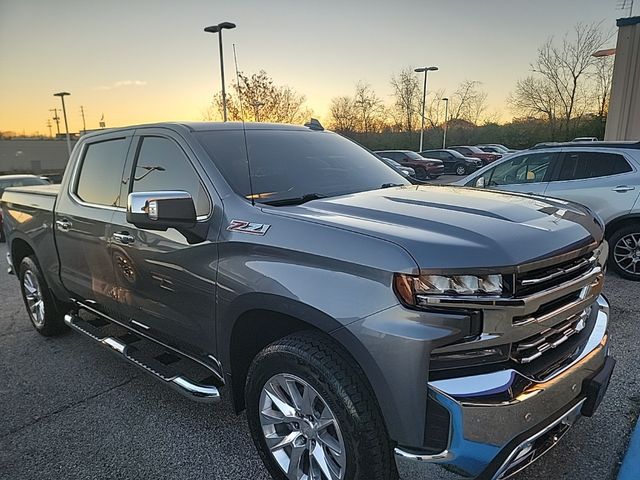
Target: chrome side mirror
x=161, y=210
x=480, y=182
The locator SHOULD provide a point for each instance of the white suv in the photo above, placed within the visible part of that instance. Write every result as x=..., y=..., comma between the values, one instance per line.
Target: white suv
x=605, y=176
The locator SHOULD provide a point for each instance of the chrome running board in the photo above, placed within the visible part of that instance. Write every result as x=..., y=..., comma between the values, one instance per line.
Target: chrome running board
x=198, y=391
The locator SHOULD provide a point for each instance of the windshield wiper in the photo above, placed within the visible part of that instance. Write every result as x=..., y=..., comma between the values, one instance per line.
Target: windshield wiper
x=295, y=200
x=390, y=185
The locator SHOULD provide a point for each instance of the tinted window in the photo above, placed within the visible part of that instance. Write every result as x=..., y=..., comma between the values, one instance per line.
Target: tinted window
x=530, y=168
x=391, y=155
x=291, y=163
x=162, y=165
x=578, y=165
x=413, y=155
x=101, y=173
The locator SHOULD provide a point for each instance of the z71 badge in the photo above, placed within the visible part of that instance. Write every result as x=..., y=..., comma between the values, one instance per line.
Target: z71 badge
x=247, y=227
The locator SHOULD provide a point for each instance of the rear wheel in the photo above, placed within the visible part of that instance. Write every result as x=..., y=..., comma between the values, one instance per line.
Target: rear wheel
x=312, y=416
x=461, y=169
x=624, y=251
x=45, y=312
x=421, y=173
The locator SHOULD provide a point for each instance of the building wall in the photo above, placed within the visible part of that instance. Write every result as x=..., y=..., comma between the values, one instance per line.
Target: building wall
x=33, y=156
x=623, y=120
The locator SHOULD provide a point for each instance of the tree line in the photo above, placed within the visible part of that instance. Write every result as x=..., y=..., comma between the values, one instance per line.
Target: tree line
x=565, y=94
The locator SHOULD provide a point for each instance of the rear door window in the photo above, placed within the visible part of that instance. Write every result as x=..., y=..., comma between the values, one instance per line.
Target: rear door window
x=581, y=165
x=101, y=173
x=531, y=168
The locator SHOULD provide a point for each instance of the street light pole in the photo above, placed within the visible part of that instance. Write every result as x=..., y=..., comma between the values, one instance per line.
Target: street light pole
x=424, y=97
x=218, y=29
x=446, y=116
x=84, y=124
x=64, y=114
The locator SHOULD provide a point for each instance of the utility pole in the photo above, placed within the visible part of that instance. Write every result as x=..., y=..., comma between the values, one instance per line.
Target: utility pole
x=84, y=125
x=49, y=125
x=56, y=118
x=64, y=114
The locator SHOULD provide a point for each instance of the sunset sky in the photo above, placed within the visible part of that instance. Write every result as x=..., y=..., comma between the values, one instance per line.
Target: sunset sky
x=140, y=61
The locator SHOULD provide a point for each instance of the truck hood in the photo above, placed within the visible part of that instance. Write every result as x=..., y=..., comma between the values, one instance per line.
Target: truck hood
x=444, y=227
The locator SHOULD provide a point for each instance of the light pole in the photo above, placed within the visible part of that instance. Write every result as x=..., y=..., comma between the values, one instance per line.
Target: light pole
x=424, y=96
x=64, y=114
x=218, y=29
x=446, y=115
x=256, y=106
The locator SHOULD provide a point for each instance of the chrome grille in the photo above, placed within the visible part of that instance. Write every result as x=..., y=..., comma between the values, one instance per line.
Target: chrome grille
x=531, y=348
x=540, y=279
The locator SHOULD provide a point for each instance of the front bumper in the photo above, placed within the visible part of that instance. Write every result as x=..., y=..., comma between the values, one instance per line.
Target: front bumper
x=502, y=421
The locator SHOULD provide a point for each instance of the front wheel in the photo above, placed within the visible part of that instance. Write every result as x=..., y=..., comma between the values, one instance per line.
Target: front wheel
x=312, y=416
x=624, y=252
x=461, y=169
x=421, y=173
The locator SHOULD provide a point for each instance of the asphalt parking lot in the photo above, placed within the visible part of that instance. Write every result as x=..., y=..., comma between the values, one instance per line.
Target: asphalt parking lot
x=72, y=410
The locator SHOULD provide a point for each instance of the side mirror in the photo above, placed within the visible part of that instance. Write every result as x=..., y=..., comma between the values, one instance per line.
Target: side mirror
x=161, y=210
x=480, y=182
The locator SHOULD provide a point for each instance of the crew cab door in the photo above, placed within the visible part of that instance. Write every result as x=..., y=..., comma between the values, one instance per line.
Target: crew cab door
x=83, y=214
x=604, y=181
x=167, y=284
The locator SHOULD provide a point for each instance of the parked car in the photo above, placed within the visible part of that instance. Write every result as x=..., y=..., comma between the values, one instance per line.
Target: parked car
x=364, y=328
x=424, y=168
x=405, y=171
x=475, y=152
x=503, y=149
x=585, y=139
x=16, y=181
x=454, y=162
x=603, y=176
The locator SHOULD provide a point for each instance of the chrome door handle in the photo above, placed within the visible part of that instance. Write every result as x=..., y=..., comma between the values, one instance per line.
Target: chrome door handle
x=124, y=238
x=623, y=188
x=63, y=225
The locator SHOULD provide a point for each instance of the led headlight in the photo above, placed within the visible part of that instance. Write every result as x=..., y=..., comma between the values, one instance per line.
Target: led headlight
x=409, y=286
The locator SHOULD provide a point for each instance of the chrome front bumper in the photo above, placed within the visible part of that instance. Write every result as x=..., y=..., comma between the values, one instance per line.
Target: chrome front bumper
x=503, y=420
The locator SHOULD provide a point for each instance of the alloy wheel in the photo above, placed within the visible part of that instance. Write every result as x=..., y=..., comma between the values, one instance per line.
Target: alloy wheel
x=300, y=430
x=33, y=294
x=626, y=253
x=460, y=170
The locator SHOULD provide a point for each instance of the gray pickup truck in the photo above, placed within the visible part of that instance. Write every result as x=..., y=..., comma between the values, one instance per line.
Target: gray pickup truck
x=368, y=326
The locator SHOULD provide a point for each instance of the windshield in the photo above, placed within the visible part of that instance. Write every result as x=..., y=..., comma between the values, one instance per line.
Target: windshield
x=413, y=155
x=287, y=164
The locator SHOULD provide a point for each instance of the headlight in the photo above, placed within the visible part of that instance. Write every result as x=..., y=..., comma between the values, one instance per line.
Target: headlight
x=410, y=287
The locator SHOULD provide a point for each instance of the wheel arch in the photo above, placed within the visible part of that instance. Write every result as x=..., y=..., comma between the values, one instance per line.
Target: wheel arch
x=620, y=222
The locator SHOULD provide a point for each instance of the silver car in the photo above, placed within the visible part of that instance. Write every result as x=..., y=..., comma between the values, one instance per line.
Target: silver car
x=605, y=176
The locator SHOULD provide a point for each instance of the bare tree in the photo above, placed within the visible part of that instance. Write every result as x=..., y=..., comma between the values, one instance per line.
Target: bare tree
x=407, y=99
x=371, y=111
x=343, y=114
x=258, y=98
x=559, y=88
x=603, y=76
x=468, y=102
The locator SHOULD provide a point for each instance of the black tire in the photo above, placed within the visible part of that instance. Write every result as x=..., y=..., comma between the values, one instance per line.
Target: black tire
x=461, y=169
x=619, y=245
x=421, y=173
x=52, y=319
x=314, y=358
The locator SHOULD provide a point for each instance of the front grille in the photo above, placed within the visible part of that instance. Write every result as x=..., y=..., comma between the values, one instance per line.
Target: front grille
x=531, y=348
x=540, y=279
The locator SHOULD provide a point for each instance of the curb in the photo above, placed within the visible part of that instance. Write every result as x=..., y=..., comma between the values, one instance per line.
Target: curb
x=631, y=462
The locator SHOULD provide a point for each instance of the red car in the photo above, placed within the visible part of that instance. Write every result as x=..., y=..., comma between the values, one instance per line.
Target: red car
x=425, y=168
x=475, y=152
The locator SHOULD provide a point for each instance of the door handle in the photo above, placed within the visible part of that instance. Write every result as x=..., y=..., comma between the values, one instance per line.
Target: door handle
x=124, y=238
x=623, y=188
x=63, y=225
